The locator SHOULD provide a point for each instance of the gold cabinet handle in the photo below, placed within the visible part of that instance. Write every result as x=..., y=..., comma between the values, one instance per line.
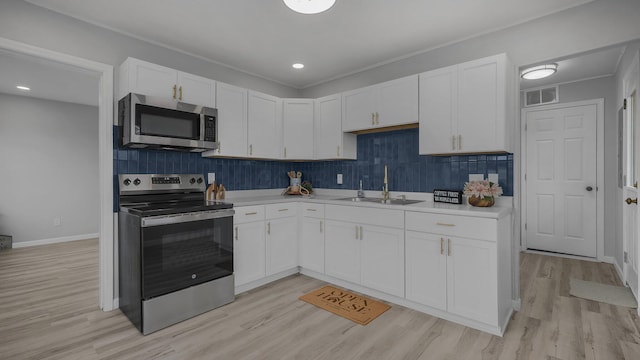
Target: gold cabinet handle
x=356, y=232
x=361, y=235
x=174, y=91
x=285, y=152
x=311, y=209
x=236, y=233
x=377, y=121
x=445, y=224
x=269, y=228
x=219, y=147
x=459, y=142
x=338, y=151
x=321, y=226
x=373, y=122
x=180, y=92
x=283, y=210
x=441, y=246
x=453, y=142
x=250, y=149
x=251, y=213
x=449, y=247
x=630, y=201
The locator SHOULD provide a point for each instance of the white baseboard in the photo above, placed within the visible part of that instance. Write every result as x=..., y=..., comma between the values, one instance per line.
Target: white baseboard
x=22, y=244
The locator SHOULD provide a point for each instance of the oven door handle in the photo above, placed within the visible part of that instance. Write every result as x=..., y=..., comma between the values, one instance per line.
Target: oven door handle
x=186, y=217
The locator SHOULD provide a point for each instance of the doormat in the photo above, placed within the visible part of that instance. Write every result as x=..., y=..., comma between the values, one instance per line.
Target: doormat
x=610, y=294
x=356, y=308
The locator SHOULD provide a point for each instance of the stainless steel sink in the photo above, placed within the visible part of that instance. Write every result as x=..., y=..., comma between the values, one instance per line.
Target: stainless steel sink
x=381, y=201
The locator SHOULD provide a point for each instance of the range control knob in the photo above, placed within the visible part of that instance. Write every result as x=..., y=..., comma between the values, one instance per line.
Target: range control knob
x=136, y=182
x=200, y=180
x=127, y=182
x=192, y=181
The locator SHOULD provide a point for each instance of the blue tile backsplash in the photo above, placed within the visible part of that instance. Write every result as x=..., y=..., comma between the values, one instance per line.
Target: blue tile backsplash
x=408, y=171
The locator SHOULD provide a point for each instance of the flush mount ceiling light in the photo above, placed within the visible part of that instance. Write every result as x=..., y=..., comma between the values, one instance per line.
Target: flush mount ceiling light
x=309, y=6
x=539, y=72
x=298, y=66
x=22, y=87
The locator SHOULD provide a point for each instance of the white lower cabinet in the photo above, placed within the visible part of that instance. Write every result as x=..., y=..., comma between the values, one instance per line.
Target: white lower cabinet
x=311, y=240
x=249, y=247
x=462, y=276
x=366, y=254
x=282, y=237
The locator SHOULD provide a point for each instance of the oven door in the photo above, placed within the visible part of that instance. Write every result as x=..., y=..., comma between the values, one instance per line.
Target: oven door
x=183, y=250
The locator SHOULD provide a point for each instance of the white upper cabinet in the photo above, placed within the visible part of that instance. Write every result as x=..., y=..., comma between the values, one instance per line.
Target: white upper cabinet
x=467, y=108
x=298, y=129
x=330, y=141
x=145, y=78
x=387, y=104
x=264, y=126
x=232, y=121
x=194, y=89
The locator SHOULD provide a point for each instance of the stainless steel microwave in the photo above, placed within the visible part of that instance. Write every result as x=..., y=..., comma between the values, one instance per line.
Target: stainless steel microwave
x=159, y=123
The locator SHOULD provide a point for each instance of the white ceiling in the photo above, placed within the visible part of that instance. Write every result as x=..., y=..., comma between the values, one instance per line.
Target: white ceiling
x=594, y=64
x=264, y=37
x=47, y=79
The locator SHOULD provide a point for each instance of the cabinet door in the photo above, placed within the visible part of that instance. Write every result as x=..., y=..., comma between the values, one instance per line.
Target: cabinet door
x=472, y=289
x=481, y=99
x=151, y=79
x=249, y=252
x=438, y=111
x=297, y=128
x=330, y=141
x=342, y=251
x=197, y=90
x=312, y=244
x=382, y=259
x=358, y=109
x=426, y=269
x=282, y=244
x=397, y=102
x=232, y=121
x=264, y=126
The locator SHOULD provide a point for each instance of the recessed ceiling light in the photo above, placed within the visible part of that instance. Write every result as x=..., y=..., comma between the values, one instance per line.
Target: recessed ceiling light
x=309, y=6
x=22, y=87
x=539, y=72
x=298, y=66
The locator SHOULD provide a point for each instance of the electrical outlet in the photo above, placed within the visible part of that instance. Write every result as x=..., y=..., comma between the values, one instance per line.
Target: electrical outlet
x=339, y=179
x=211, y=177
x=476, y=177
x=493, y=178
x=56, y=221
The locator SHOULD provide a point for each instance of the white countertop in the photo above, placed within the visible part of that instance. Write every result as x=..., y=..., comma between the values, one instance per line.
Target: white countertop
x=329, y=196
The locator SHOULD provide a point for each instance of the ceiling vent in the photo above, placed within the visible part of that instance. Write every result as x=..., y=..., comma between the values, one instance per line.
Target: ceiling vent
x=542, y=96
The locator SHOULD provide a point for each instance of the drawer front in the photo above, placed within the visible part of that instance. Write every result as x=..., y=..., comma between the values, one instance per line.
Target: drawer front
x=453, y=225
x=276, y=211
x=245, y=214
x=363, y=215
x=312, y=210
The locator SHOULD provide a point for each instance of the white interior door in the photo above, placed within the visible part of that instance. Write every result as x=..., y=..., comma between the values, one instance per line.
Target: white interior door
x=561, y=180
x=631, y=171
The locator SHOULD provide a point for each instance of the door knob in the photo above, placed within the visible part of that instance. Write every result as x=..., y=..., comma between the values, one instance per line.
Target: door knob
x=589, y=188
x=630, y=201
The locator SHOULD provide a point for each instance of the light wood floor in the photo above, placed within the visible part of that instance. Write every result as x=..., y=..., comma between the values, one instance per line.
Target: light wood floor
x=49, y=296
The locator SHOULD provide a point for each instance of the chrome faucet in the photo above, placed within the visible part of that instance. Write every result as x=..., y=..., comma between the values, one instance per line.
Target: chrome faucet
x=385, y=189
x=360, y=191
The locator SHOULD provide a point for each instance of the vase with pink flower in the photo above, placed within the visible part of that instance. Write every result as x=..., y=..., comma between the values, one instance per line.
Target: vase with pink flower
x=482, y=193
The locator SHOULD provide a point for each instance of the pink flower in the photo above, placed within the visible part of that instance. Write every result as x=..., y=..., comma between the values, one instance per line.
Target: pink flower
x=482, y=189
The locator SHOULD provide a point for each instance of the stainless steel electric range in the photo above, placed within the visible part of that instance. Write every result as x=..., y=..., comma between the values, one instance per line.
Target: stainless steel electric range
x=175, y=250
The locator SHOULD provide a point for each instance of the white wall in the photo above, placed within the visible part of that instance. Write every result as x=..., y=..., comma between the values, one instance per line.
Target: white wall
x=49, y=162
x=579, y=29
x=34, y=25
